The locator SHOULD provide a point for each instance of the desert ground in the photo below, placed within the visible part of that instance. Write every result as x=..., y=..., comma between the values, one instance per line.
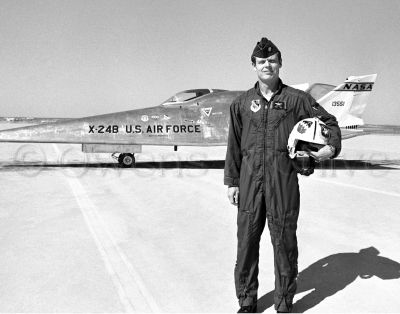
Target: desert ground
x=80, y=234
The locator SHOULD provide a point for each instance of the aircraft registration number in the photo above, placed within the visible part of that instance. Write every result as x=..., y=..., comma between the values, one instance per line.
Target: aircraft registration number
x=103, y=129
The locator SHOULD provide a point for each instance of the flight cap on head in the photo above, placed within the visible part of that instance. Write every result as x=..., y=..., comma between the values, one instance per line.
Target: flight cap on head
x=264, y=49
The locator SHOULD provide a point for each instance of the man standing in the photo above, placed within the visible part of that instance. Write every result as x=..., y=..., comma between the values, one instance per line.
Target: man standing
x=258, y=167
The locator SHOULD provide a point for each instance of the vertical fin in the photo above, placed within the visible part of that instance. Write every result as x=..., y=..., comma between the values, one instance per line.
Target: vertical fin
x=348, y=101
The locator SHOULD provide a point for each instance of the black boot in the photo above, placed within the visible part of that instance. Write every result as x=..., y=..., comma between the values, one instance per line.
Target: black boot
x=284, y=307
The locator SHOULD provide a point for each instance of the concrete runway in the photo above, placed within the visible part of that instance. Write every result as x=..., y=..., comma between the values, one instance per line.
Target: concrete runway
x=83, y=235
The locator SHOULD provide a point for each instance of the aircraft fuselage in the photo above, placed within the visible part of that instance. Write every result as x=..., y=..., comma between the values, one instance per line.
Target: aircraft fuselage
x=203, y=121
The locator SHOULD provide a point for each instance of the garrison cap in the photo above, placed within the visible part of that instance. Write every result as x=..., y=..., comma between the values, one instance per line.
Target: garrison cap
x=264, y=49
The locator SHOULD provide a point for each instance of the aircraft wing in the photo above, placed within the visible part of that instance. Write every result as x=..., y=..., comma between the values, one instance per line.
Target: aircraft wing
x=369, y=129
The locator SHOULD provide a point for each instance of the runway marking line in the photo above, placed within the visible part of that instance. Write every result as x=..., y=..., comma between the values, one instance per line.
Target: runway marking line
x=358, y=187
x=130, y=287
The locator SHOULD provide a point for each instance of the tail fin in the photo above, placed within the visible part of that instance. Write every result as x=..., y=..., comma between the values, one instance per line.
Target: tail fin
x=348, y=101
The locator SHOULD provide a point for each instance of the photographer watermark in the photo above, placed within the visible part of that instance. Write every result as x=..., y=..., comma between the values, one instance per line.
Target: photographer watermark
x=31, y=159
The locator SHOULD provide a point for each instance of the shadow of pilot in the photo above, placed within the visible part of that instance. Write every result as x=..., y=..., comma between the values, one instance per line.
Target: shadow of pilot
x=333, y=273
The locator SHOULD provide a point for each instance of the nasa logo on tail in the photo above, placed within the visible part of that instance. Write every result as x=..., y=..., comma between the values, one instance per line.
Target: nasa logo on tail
x=356, y=87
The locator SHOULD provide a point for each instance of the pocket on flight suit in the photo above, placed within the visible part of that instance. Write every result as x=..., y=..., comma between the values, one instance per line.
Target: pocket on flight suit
x=278, y=116
x=256, y=121
x=283, y=126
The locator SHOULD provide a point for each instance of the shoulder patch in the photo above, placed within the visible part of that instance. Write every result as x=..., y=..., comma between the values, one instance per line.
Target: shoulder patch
x=255, y=105
x=316, y=106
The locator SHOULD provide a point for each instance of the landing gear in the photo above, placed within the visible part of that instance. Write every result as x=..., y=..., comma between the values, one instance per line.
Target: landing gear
x=126, y=160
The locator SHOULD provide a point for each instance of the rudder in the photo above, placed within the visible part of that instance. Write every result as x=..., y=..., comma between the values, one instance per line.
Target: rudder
x=348, y=101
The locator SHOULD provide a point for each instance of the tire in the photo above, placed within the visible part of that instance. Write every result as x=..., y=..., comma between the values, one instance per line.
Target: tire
x=126, y=160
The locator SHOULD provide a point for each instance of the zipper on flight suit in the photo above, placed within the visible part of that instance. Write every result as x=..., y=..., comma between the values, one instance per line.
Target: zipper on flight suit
x=265, y=131
x=265, y=115
x=281, y=118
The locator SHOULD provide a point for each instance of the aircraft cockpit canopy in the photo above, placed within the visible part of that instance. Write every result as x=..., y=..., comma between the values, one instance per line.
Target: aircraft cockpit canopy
x=187, y=95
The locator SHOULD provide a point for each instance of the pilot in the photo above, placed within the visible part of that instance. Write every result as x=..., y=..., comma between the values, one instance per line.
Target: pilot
x=258, y=167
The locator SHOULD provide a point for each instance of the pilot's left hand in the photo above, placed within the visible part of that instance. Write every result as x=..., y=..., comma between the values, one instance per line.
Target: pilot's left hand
x=324, y=153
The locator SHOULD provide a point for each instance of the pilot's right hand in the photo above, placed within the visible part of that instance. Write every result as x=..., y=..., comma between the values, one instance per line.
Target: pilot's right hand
x=233, y=195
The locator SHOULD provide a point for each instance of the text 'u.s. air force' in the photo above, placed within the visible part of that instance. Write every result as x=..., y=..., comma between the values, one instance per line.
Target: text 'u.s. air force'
x=153, y=129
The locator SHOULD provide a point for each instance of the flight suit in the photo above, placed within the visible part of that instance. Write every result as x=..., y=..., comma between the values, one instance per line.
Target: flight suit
x=257, y=162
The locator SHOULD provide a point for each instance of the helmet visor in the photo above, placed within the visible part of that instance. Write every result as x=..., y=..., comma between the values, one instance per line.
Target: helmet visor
x=307, y=146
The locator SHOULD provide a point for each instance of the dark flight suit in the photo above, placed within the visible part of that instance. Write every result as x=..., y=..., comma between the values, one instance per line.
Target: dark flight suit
x=257, y=161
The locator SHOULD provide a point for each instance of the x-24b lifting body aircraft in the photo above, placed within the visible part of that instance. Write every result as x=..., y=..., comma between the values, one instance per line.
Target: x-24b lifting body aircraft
x=198, y=117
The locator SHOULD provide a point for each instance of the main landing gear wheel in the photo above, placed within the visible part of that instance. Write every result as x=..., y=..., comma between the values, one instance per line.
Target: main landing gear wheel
x=126, y=160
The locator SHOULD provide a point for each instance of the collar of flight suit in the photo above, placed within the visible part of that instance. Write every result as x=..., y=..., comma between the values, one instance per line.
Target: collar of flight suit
x=277, y=92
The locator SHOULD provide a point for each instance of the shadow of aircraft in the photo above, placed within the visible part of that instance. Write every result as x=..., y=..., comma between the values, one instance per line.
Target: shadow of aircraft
x=199, y=164
x=196, y=164
x=333, y=273
x=343, y=164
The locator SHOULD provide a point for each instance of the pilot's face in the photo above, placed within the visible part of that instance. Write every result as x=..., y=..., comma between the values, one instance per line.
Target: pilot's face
x=267, y=69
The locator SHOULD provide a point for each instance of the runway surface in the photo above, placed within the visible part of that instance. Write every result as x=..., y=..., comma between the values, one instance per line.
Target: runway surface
x=84, y=235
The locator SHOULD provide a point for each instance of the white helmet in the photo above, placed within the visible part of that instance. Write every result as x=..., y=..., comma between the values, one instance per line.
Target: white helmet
x=308, y=134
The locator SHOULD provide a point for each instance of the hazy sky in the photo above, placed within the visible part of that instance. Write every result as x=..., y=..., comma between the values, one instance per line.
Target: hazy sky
x=77, y=58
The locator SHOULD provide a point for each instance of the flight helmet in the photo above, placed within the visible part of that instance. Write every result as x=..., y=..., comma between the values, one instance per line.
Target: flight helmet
x=307, y=135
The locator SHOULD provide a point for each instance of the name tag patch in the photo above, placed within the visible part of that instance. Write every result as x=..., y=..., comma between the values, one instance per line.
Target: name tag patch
x=279, y=105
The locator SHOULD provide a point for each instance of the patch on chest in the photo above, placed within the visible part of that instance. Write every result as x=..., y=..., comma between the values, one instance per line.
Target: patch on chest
x=255, y=105
x=279, y=105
